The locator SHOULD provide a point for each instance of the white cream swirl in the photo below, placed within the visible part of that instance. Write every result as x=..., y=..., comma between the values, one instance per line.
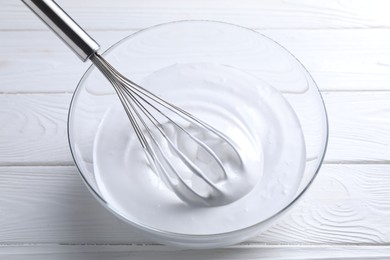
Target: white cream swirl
x=261, y=124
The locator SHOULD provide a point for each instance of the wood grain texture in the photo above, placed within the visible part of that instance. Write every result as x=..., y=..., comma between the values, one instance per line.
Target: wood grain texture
x=270, y=14
x=359, y=127
x=44, y=64
x=122, y=252
x=33, y=130
x=52, y=205
x=347, y=205
x=339, y=60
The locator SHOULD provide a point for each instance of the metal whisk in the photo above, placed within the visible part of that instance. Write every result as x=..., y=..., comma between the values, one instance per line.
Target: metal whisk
x=157, y=123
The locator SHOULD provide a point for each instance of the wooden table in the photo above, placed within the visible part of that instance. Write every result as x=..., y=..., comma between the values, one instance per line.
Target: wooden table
x=46, y=212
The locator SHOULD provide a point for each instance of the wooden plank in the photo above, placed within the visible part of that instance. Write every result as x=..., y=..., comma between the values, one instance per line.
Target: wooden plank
x=33, y=128
x=44, y=64
x=123, y=14
x=347, y=204
x=52, y=205
x=338, y=59
x=359, y=127
x=253, y=252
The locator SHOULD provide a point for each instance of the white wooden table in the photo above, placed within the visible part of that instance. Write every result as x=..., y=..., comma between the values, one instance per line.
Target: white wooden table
x=46, y=212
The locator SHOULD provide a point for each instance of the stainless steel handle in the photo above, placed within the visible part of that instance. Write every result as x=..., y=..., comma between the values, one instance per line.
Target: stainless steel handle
x=64, y=26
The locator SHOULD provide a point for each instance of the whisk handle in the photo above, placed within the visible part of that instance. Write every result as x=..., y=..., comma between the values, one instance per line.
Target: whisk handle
x=64, y=26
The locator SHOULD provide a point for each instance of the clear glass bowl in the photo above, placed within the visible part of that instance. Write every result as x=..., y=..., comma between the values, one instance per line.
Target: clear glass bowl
x=149, y=50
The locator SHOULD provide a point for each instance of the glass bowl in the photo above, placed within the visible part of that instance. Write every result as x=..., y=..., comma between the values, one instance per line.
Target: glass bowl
x=152, y=49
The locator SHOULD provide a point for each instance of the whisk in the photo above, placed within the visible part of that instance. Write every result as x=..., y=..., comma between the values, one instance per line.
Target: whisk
x=193, y=180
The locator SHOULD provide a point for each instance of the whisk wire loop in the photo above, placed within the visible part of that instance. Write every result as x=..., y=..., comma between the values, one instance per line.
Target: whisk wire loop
x=134, y=99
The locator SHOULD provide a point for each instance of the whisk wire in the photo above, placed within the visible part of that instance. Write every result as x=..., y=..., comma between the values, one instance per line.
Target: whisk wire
x=122, y=98
x=186, y=160
x=133, y=88
x=197, y=140
x=134, y=99
x=126, y=94
x=173, y=108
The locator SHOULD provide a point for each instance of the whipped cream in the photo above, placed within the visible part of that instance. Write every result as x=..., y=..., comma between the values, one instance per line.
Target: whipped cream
x=259, y=122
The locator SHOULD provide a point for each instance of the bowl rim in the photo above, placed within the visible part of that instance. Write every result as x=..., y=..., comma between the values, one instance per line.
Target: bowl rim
x=164, y=233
